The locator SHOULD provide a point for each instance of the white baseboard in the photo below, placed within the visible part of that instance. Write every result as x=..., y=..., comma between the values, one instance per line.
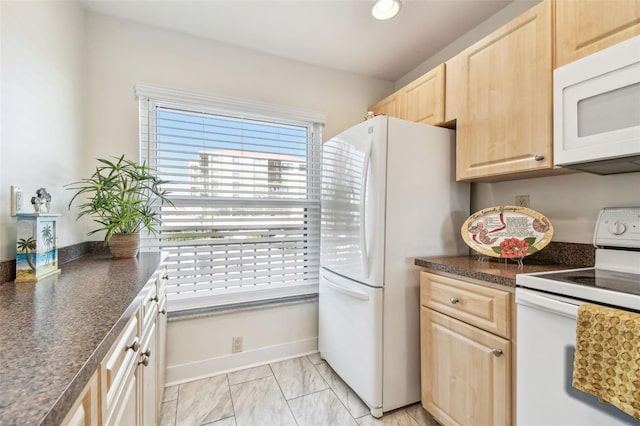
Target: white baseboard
x=214, y=366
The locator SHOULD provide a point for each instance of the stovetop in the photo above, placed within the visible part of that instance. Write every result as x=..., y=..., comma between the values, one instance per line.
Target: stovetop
x=599, y=286
x=622, y=282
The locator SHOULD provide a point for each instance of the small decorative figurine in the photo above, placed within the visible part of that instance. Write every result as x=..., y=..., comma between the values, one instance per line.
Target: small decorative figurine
x=42, y=201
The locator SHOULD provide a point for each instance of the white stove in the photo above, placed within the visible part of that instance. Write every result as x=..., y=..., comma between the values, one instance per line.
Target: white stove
x=615, y=279
x=547, y=306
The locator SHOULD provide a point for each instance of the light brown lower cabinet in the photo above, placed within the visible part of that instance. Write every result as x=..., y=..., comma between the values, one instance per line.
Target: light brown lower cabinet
x=466, y=371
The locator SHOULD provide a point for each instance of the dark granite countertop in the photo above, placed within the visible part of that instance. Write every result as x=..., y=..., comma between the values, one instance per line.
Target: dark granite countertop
x=490, y=269
x=54, y=333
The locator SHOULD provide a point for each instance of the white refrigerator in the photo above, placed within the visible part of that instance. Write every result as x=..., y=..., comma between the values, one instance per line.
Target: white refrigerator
x=388, y=195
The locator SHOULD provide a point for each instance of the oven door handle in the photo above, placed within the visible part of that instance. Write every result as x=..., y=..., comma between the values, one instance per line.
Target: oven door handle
x=546, y=302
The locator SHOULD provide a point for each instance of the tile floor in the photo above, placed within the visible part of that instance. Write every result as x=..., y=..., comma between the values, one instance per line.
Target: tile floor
x=300, y=391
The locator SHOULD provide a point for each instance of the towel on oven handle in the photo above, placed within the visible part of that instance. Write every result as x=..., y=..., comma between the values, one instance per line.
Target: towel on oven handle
x=607, y=357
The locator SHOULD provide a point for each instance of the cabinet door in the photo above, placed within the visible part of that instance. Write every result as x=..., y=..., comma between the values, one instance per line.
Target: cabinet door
x=504, y=125
x=422, y=100
x=117, y=366
x=586, y=26
x=85, y=411
x=161, y=344
x=453, y=81
x=466, y=372
x=388, y=106
x=126, y=411
x=148, y=373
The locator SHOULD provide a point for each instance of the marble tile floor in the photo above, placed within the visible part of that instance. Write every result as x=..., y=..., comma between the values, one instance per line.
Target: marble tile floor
x=302, y=391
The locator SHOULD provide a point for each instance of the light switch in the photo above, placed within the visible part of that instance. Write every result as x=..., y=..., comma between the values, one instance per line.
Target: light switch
x=16, y=200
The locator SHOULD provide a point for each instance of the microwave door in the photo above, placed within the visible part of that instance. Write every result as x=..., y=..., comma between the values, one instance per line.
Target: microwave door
x=597, y=109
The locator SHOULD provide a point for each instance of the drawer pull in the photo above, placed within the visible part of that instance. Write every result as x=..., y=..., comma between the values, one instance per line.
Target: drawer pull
x=496, y=352
x=154, y=298
x=453, y=300
x=144, y=361
x=134, y=346
x=163, y=311
x=165, y=277
x=147, y=353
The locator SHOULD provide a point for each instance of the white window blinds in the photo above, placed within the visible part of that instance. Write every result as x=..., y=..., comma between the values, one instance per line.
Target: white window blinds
x=245, y=220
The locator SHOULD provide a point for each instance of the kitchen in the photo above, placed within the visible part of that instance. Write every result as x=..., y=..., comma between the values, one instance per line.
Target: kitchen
x=89, y=64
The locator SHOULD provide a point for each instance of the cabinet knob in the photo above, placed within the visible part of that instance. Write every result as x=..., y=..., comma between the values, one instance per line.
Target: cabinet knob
x=154, y=298
x=163, y=311
x=165, y=277
x=538, y=157
x=134, y=346
x=496, y=352
x=144, y=361
x=453, y=300
x=147, y=353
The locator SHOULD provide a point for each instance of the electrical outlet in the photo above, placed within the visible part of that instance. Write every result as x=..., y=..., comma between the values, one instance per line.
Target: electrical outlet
x=236, y=344
x=16, y=200
x=522, y=200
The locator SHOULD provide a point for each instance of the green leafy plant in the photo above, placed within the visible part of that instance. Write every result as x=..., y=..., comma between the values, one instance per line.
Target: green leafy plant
x=122, y=196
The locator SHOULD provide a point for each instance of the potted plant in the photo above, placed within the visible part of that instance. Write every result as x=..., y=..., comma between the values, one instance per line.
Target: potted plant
x=123, y=198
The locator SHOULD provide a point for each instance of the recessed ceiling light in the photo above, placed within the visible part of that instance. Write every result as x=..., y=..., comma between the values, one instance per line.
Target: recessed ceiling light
x=385, y=9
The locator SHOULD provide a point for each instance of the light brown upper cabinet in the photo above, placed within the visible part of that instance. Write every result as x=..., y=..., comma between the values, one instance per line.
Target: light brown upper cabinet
x=422, y=100
x=504, y=127
x=388, y=106
x=586, y=26
x=452, y=98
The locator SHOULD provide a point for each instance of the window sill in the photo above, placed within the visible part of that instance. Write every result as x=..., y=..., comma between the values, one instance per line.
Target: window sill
x=238, y=307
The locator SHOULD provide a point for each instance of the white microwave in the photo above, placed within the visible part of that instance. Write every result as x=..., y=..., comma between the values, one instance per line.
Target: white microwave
x=596, y=111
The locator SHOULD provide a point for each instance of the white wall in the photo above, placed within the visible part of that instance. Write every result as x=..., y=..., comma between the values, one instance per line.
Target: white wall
x=122, y=53
x=42, y=112
x=571, y=202
x=201, y=347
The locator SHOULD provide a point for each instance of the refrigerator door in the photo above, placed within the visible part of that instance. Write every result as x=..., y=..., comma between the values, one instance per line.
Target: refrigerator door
x=350, y=334
x=353, y=202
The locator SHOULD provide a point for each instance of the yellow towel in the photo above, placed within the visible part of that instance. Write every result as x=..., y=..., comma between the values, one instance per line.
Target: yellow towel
x=607, y=358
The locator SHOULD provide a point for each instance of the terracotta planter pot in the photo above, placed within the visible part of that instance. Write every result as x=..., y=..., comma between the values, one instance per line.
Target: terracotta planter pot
x=124, y=246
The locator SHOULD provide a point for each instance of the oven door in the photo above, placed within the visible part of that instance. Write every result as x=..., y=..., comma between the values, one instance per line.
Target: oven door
x=546, y=343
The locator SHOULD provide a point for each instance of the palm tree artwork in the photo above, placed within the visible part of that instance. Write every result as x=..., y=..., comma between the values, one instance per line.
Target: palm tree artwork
x=28, y=246
x=47, y=239
x=36, y=251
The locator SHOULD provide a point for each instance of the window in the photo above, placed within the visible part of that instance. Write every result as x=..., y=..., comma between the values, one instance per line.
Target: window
x=245, y=185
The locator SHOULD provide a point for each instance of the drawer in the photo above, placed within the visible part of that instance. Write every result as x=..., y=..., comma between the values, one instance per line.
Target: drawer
x=120, y=360
x=483, y=307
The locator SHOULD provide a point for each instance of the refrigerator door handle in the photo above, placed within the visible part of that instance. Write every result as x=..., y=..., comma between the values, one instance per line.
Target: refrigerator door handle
x=353, y=293
x=363, y=208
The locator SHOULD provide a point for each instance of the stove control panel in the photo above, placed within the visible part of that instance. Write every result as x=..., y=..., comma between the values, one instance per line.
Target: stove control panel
x=618, y=227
